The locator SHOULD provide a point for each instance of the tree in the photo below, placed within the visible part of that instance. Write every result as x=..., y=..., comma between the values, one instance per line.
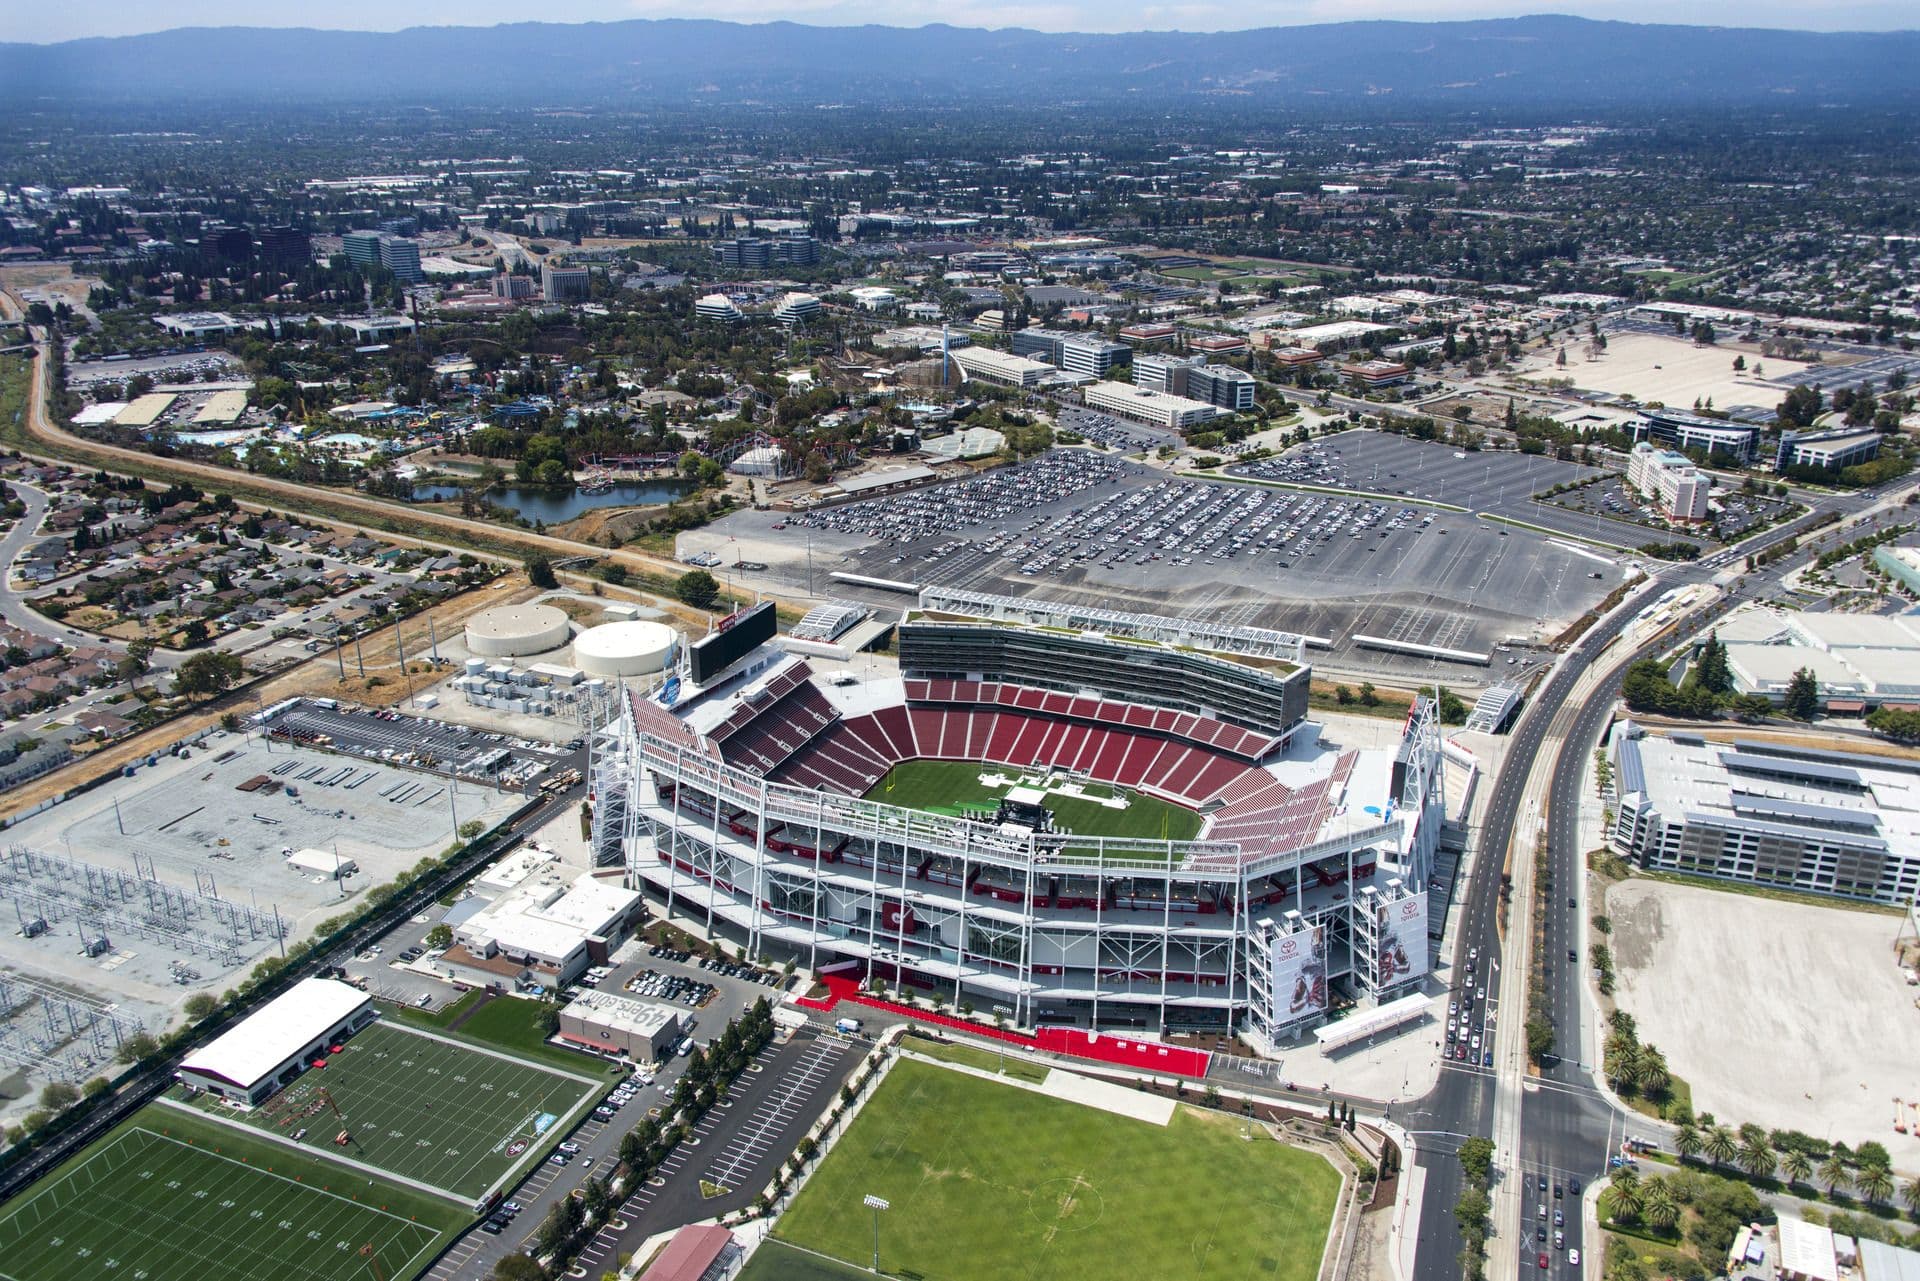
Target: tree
x=1833, y=1173
x=1910, y=1196
x=540, y=571
x=1659, y=1207
x=1686, y=1141
x=1625, y=1196
x=208, y=672
x=137, y=662
x=200, y=1004
x=1714, y=674
x=56, y=1095
x=1539, y=1039
x=697, y=588
x=1720, y=1145
x=440, y=936
x=1796, y=1165
x=1756, y=1154
x=195, y=633
x=1875, y=1182
x=518, y=1267
x=1476, y=1159
x=1803, y=695
x=140, y=1045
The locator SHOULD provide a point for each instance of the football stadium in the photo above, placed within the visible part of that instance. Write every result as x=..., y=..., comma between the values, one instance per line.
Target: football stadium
x=1064, y=816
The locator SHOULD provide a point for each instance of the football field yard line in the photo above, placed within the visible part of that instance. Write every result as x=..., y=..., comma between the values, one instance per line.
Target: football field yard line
x=201, y=1245
x=316, y=1151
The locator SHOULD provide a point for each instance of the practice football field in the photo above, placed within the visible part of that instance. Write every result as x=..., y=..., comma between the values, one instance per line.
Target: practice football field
x=946, y=787
x=421, y=1107
x=146, y=1205
x=989, y=1182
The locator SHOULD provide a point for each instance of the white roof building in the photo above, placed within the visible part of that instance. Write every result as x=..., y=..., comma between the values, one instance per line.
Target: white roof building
x=266, y=1048
x=549, y=927
x=1806, y=1252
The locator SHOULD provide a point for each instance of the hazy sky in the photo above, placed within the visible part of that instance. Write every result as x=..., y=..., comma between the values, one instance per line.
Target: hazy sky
x=30, y=21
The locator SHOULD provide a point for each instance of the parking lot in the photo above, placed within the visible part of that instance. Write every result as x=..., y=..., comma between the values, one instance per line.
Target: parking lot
x=1875, y=367
x=1113, y=433
x=1320, y=564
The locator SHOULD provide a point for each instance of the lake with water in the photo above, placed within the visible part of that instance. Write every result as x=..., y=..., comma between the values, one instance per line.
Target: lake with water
x=555, y=505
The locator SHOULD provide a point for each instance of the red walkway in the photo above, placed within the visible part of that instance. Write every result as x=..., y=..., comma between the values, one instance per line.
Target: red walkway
x=1135, y=1055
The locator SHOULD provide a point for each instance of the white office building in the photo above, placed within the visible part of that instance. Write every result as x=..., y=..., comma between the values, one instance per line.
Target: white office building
x=1155, y=408
x=983, y=364
x=718, y=307
x=1670, y=480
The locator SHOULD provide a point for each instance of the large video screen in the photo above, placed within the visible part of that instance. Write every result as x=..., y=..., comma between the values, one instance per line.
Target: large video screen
x=736, y=635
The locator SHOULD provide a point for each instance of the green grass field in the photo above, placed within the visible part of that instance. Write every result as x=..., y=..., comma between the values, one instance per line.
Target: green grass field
x=774, y=1261
x=422, y=1108
x=945, y=787
x=992, y=1183
x=171, y=1197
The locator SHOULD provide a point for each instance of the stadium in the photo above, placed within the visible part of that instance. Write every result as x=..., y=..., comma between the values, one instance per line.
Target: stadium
x=1060, y=815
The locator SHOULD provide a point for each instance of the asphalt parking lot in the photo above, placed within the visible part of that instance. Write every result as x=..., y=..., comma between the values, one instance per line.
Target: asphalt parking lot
x=1125, y=536
x=736, y=1145
x=1499, y=482
x=1114, y=433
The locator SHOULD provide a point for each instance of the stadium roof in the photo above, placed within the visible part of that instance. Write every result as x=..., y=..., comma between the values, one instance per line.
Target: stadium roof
x=282, y=1028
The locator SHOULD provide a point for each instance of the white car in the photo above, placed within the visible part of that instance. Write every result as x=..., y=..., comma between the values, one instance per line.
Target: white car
x=1573, y=1257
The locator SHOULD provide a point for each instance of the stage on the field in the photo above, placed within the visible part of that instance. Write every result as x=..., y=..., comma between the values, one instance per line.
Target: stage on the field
x=1079, y=805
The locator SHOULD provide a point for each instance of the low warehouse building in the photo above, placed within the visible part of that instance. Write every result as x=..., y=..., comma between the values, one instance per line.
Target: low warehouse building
x=272, y=1046
x=609, y=1024
x=544, y=934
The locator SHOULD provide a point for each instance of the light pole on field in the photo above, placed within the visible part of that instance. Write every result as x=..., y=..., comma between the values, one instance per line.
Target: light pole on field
x=876, y=1204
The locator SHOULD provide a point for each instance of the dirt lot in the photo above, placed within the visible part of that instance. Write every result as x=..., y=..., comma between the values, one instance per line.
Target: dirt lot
x=1673, y=371
x=1785, y=1014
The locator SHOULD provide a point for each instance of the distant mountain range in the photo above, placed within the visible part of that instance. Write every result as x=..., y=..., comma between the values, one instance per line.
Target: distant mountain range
x=1503, y=62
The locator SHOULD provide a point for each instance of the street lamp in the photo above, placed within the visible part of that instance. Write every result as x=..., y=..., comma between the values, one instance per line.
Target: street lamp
x=876, y=1204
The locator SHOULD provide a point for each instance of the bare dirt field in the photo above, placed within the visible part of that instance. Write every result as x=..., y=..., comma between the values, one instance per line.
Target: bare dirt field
x=1785, y=1014
x=1673, y=371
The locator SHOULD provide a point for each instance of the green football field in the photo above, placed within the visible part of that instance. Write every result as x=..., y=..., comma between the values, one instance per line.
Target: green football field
x=176, y=1198
x=450, y=1115
x=947, y=787
x=989, y=1182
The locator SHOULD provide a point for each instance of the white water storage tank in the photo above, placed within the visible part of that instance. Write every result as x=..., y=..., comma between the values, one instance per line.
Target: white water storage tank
x=633, y=648
x=510, y=631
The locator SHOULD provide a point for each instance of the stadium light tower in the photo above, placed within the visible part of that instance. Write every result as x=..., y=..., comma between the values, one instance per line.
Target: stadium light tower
x=877, y=1204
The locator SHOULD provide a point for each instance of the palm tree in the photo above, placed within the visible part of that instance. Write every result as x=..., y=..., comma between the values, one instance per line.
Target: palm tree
x=1875, y=1182
x=1719, y=1145
x=1655, y=1079
x=1659, y=1208
x=1625, y=1196
x=1756, y=1156
x=1833, y=1173
x=1910, y=1197
x=1796, y=1165
x=1687, y=1141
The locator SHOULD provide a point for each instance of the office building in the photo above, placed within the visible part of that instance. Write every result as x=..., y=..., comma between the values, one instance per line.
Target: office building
x=796, y=248
x=1375, y=374
x=1684, y=431
x=362, y=248
x=1153, y=334
x=1089, y=355
x=1155, y=408
x=744, y=253
x=796, y=309
x=286, y=246
x=621, y=1027
x=402, y=258
x=565, y=284
x=1670, y=481
x=1768, y=813
x=718, y=307
x=1217, y=344
x=510, y=286
x=984, y=364
x=1192, y=377
x=1830, y=450
x=225, y=244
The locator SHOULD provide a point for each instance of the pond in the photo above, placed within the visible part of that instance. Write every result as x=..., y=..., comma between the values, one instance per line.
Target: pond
x=555, y=505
